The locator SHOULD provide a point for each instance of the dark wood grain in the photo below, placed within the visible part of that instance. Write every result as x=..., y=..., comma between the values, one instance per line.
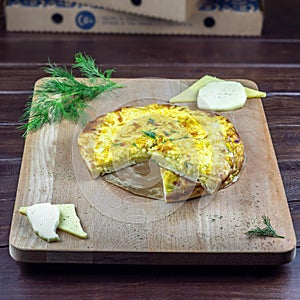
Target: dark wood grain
x=282, y=110
x=144, y=282
x=6, y=212
x=289, y=135
x=272, y=61
x=290, y=173
x=9, y=174
x=295, y=212
x=149, y=50
x=12, y=143
x=12, y=107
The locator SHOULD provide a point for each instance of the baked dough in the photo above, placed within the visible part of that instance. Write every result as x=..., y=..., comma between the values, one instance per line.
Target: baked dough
x=197, y=152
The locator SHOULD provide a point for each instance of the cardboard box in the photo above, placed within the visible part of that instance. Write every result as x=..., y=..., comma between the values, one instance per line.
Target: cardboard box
x=176, y=10
x=211, y=18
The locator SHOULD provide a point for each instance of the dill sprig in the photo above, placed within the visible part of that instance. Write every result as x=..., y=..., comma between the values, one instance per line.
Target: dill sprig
x=268, y=230
x=149, y=133
x=62, y=96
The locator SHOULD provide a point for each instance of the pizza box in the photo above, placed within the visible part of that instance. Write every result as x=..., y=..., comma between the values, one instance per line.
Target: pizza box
x=61, y=16
x=175, y=10
x=124, y=228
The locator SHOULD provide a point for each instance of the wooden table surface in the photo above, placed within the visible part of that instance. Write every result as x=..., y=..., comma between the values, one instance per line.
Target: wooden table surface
x=272, y=61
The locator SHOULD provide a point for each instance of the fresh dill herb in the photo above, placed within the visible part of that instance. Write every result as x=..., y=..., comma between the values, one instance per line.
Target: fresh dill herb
x=152, y=122
x=213, y=218
x=180, y=138
x=268, y=230
x=150, y=134
x=62, y=96
x=134, y=144
x=187, y=164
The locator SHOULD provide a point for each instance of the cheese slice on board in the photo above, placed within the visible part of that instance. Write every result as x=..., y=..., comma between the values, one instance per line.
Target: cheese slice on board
x=68, y=219
x=191, y=93
x=44, y=218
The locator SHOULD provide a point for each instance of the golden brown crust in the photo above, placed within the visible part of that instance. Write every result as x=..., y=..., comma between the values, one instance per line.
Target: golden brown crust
x=86, y=143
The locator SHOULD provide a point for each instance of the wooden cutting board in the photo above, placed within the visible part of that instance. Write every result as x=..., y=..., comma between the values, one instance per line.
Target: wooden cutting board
x=127, y=229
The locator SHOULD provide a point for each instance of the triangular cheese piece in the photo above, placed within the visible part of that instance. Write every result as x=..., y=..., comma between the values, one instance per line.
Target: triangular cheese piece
x=69, y=221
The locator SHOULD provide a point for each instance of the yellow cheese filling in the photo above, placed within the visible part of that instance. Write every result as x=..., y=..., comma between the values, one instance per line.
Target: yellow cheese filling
x=190, y=143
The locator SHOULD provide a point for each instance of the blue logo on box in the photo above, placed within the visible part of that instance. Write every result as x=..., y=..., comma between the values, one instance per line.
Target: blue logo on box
x=235, y=5
x=85, y=20
x=41, y=3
